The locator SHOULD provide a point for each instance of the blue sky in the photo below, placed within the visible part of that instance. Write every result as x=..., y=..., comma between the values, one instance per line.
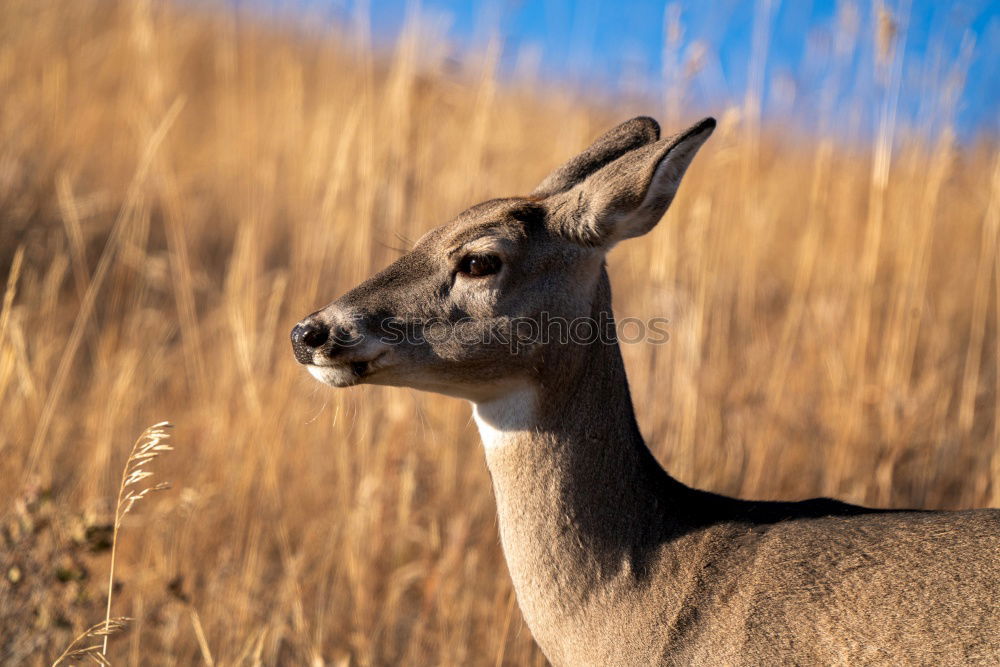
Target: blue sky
x=616, y=48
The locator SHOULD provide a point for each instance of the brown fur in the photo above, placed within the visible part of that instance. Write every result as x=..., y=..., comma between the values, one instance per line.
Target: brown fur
x=613, y=561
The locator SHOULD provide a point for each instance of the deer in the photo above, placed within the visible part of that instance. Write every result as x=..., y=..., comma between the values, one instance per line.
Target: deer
x=613, y=561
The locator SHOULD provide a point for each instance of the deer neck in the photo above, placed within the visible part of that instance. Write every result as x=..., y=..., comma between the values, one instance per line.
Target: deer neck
x=577, y=490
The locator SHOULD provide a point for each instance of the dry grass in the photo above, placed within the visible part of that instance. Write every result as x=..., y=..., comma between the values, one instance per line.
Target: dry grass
x=177, y=190
x=134, y=487
x=80, y=650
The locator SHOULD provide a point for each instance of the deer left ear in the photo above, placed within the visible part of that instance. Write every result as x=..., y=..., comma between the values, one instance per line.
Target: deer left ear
x=627, y=197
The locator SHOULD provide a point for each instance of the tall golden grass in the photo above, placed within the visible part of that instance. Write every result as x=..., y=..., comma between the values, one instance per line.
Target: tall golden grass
x=177, y=188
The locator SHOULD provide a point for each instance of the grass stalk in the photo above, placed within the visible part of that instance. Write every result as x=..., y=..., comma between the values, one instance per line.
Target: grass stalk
x=149, y=446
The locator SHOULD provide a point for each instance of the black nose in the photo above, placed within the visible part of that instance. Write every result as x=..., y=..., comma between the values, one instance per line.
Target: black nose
x=306, y=337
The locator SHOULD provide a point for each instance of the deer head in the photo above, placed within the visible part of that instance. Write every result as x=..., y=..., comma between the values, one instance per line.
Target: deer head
x=461, y=313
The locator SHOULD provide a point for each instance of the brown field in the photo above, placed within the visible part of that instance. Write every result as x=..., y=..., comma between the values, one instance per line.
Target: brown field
x=177, y=189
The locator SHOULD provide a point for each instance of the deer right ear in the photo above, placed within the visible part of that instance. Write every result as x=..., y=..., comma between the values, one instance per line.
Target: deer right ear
x=628, y=196
x=608, y=147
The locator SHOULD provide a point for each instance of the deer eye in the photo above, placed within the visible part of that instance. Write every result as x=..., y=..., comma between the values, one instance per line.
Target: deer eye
x=479, y=266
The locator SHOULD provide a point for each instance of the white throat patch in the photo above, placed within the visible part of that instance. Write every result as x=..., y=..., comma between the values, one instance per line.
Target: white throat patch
x=500, y=419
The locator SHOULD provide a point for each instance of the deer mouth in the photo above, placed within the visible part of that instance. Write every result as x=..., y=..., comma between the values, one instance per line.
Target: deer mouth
x=344, y=373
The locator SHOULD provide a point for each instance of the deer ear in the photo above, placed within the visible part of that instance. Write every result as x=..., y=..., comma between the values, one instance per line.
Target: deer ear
x=627, y=196
x=628, y=136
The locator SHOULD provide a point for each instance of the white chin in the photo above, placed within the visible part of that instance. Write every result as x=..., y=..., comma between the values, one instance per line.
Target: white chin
x=335, y=376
